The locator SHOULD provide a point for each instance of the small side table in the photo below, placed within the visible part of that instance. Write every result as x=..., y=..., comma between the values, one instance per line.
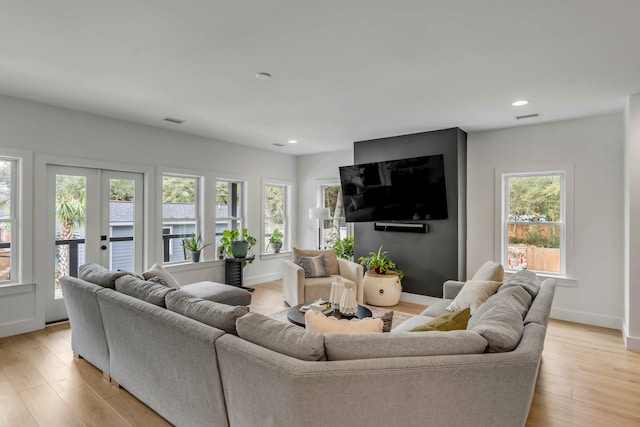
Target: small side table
x=233, y=271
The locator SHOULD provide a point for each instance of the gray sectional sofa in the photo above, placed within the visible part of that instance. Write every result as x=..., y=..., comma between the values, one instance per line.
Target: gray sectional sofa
x=250, y=370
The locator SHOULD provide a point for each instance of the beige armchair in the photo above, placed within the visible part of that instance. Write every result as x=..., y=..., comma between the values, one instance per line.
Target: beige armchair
x=298, y=289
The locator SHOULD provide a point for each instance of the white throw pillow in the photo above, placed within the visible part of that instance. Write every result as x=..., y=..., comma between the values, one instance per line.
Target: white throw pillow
x=318, y=322
x=473, y=294
x=157, y=270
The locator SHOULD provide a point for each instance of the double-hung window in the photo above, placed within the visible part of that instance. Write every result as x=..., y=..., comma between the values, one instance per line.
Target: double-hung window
x=229, y=208
x=276, y=198
x=180, y=213
x=534, y=228
x=8, y=220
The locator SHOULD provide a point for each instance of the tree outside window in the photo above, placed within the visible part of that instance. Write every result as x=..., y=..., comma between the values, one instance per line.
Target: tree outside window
x=534, y=222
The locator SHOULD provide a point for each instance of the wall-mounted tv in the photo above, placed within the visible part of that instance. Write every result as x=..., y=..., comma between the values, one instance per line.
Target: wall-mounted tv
x=395, y=190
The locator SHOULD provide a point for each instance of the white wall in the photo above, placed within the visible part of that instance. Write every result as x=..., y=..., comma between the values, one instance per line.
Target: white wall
x=594, y=146
x=313, y=171
x=631, y=324
x=55, y=134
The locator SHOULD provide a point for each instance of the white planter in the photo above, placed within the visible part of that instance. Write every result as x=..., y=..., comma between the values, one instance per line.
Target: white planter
x=381, y=289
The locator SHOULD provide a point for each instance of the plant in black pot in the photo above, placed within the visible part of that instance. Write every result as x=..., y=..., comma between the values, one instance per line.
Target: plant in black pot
x=235, y=244
x=195, y=245
x=275, y=241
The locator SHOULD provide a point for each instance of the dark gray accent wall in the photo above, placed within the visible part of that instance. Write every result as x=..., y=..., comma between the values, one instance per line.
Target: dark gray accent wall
x=439, y=255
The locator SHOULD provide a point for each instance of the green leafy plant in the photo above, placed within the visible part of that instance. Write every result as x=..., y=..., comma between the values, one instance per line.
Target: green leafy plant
x=194, y=243
x=344, y=247
x=380, y=263
x=276, y=237
x=231, y=236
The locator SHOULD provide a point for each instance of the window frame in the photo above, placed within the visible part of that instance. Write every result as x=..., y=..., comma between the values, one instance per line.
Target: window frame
x=567, y=249
x=322, y=203
x=286, y=219
x=13, y=221
x=199, y=184
x=241, y=219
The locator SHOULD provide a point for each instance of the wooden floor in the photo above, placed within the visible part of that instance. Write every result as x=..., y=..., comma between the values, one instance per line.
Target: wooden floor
x=587, y=378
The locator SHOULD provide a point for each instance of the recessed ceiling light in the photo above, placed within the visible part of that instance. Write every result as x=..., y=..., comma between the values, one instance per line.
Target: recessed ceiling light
x=520, y=103
x=292, y=141
x=263, y=76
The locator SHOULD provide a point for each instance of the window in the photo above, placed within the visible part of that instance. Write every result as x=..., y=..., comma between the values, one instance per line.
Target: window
x=276, y=209
x=229, y=207
x=534, y=222
x=180, y=213
x=8, y=220
x=336, y=227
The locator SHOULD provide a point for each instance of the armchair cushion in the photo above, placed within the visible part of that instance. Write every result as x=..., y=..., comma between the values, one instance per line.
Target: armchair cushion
x=314, y=266
x=330, y=257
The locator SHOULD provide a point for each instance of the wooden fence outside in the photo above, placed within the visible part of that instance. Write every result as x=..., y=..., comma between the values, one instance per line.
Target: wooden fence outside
x=534, y=258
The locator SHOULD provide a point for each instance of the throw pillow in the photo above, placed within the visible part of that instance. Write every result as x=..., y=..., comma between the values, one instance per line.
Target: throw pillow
x=318, y=322
x=528, y=280
x=330, y=257
x=501, y=326
x=219, y=316
x=158, y=270
x=313, y=266
x=150, y=292
x=516, y=297
x=387, y=321
x=473, y=294
x=455, y=321
x=97, y=274
x=490, y=271
x=281, y=337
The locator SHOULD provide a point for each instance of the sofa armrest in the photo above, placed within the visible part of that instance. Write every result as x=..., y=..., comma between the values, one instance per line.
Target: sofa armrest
x=354, y=272
x=292, y=283
x=451, y=288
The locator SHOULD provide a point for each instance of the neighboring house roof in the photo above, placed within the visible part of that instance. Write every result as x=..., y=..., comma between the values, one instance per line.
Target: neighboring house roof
x=121, y=211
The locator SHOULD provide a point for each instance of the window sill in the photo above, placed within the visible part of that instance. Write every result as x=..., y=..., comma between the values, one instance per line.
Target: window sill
x=282, y=254
x=560, y=280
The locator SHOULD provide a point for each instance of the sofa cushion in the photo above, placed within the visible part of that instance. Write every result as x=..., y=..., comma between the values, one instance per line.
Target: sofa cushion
x=404, y=344
x=500, y=324
x=147, y=291
x=528, y=280
x=490, y=270
x=313, y=266
x=447, y=322
x=98, y=275
x=516, y=297
x=473, y=294
x=157, y=270
x=318, y=322
x=214, y=314
x=218, y=292
x=330, y=257
x=281, y=337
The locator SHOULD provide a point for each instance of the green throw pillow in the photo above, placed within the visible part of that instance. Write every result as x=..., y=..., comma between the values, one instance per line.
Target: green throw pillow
x=447, y=322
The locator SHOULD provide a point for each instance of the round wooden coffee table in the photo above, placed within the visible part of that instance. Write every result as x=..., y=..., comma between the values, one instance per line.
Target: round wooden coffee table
x=296, y=317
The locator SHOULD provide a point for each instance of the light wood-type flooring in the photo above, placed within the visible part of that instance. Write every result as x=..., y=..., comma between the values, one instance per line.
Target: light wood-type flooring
x=587, y=378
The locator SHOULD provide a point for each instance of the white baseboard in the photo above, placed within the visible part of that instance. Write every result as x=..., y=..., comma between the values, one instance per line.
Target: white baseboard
x=630, y=343
x=587, y=318
x=254, y=280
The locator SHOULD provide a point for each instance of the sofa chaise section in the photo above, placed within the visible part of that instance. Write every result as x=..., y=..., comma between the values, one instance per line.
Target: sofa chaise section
x=166, y=360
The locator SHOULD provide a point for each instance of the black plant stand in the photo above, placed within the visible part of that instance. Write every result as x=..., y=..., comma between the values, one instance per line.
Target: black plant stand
x=233, y=271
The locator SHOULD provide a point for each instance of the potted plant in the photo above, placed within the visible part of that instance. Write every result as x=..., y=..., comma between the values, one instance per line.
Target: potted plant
x=234, y=244
x=381, y=283
x=344, y=247
x=275, y=241
x=195, y=245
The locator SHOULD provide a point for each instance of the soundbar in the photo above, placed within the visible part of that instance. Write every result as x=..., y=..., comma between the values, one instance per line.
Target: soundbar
x=405, y=227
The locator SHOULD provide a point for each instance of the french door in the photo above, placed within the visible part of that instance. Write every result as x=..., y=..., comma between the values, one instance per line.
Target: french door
x=94, y=215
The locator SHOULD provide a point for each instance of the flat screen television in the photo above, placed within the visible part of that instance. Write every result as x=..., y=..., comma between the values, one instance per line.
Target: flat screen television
x=395, y=190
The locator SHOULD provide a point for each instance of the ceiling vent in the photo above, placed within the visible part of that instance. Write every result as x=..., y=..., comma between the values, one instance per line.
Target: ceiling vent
x=172, y=120
x=527, y=116
x=277, y=144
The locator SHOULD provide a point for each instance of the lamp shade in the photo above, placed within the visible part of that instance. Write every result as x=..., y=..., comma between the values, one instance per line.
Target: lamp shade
x=319, y=213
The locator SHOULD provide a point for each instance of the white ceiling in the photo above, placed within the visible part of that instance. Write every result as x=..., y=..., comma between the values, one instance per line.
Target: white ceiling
x=343, y=70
